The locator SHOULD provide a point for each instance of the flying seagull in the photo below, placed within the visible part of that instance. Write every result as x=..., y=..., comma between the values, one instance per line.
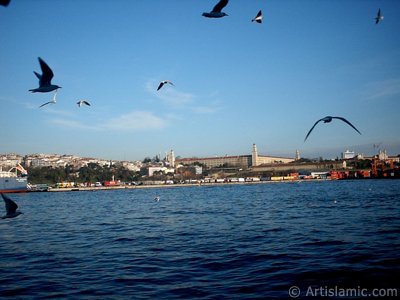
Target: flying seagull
x=329, y=119
x=45, y=85
x=216, y=11
x=378, y=17
x=80, y=102
x=258, y=18
x=53, y=101
x=11, y=208
x=164, y=82
x=4, y=2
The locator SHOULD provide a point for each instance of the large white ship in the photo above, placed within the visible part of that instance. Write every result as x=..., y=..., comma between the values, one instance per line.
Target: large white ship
x=12, y=182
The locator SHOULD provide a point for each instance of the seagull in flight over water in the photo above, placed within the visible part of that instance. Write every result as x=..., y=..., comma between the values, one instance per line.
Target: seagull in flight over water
x=45, y=85
x=378, y=17
x=80, y=102
x=164, y=82
x=217, y=10
x=258, y=18
x=53, y=101
x=329, y=119
x=11, y=208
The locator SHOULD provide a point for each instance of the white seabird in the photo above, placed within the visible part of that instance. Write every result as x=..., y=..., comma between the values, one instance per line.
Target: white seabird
x=80, y=102
x=217, y=10
x=378, y=17
x=258, y=18
x=164, y=82
x=11, y=208
x=45, y=85
x=53, y=101
x=329, y=119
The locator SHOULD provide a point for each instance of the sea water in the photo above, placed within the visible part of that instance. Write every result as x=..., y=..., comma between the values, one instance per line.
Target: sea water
x=258, y=241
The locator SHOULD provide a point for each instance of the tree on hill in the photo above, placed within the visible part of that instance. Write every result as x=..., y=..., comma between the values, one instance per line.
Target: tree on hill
x=91, y=173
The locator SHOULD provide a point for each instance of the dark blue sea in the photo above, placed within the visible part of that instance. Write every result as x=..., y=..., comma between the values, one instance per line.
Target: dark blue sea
x=205, y=242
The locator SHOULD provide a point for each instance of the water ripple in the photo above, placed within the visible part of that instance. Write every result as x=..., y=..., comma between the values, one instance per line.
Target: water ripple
x=222, y=242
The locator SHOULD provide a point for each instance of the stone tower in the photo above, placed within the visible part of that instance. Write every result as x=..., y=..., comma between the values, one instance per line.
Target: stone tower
x=297, y=155
x=254, y=156
x=171, y=158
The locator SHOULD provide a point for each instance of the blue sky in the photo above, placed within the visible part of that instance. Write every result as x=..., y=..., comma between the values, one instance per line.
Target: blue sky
x=236, y=82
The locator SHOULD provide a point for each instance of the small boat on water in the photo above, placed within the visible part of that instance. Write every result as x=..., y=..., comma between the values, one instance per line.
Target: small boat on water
x=12, y=182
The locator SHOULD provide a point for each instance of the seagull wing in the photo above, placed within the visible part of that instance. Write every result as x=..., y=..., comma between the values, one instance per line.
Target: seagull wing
x=378, y=17
x=258, y=17
x=53, y=101
x=47, y=73
x=171, y=83
x=220, y=5
x=46, y=103
x=312, y=129
x=11, y=206
x=80, y=102
x=344, y=120
x=38, y=75
x=5, y=2
x=160, y=86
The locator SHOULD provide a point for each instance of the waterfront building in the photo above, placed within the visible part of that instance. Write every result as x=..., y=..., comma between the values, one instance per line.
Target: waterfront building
x=298, y=167
x=189, y=171
x=149, y=171
x=235, y=161
x=258, y=160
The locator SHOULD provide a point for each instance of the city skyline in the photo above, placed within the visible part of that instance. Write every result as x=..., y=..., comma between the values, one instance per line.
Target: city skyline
x=236, y=82
x=168, y=154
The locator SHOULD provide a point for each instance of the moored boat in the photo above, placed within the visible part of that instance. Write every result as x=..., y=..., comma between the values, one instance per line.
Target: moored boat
x=12, y=182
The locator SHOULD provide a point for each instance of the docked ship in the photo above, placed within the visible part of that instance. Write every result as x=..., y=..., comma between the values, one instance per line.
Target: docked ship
x=12, y=181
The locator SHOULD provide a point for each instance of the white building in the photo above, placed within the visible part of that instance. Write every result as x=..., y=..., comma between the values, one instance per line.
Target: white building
x=382, y=155
x=165, y=170
x=348, y=154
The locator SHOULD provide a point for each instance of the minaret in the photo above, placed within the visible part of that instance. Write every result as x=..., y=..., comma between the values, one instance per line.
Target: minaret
x=254, y=156
x=172, y=158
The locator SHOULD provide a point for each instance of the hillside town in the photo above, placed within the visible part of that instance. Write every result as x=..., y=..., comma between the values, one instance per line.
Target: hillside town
x=58, y=160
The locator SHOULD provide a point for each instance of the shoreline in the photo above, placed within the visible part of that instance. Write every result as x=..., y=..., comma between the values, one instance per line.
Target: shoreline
x=178, y=185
